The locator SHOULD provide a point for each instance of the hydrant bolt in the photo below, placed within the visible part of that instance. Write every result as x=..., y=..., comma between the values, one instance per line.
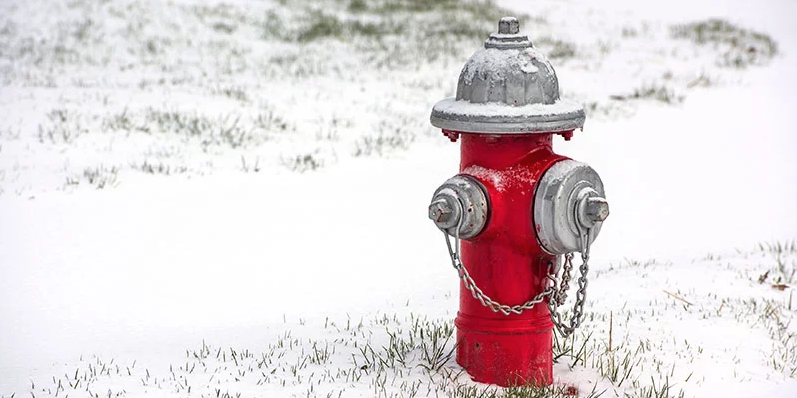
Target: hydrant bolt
x=597, y=209
x=508, y=26
x=592, y=208
x=441, y=212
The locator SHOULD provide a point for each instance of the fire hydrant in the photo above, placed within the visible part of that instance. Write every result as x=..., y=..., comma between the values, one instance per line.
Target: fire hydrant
x=517, y=211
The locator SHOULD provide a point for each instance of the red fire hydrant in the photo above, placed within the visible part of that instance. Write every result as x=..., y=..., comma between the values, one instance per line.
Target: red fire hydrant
x=519, y=210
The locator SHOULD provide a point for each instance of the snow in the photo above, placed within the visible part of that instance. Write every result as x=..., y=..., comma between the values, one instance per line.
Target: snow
x=158, y=264
x=494, y=177
x=529, y=68
x=497, y=62
x=452, y=106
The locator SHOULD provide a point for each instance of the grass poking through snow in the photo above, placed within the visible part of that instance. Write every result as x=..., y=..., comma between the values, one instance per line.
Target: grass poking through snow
x=738, y=47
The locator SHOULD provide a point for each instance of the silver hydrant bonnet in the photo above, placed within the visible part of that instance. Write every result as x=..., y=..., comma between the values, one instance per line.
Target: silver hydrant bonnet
x=508, y=88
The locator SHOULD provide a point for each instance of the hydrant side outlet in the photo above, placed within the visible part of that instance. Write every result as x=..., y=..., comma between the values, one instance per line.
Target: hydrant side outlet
x=460, y=207
x=568, y=194
x=517, y=211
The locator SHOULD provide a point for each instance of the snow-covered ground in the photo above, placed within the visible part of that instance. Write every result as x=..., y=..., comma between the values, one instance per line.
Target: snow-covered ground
x=206, y=195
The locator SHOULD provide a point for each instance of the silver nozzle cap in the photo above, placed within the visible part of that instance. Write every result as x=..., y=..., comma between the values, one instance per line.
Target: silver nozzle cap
x=460, y=206
x=569, y=198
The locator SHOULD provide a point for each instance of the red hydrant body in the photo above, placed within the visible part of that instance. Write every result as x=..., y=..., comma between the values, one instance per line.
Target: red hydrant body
x=517, y=210
x=507, y=262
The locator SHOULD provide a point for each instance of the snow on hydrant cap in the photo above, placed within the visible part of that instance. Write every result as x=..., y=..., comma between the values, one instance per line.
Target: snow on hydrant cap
x=508, y=87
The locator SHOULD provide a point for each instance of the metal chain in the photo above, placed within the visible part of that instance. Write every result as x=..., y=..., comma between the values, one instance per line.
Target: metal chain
x=557, y=291
x=581, y=294
x=565, y=284
x=578, y=308
x=478, y=294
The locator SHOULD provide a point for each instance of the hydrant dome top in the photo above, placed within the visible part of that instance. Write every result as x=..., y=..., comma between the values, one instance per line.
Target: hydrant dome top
x=508, y=87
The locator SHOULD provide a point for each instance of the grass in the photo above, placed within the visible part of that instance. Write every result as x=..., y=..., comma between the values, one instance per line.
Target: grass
x=655, y=92
x=739, y=47
x=388, y=139
x=419, y=353
x=320, y=25
x=299, y=54
x=158, y=168
x=391, y=34
x=414, y=6
x=386, y=355
x=413, y=356
x=304, y=162
x=224, y=130
x=124, y=121
x=208, y=132
x=785, y=265
x=237, y=93
x=100, y=177
x=250, y=166
x=622, y=365
x=520, y=392
x=702, y=80
x=61, y=126
x=316, y=24
x=627, y=362
x=554, y=48
x=272, y=122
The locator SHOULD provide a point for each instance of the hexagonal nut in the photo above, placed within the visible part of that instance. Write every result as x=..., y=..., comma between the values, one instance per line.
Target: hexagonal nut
x=508, y=26
x=441, y=212
x=597, y=209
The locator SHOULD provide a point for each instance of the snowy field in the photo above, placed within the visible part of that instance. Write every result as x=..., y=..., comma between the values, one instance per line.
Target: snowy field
x=228, y=198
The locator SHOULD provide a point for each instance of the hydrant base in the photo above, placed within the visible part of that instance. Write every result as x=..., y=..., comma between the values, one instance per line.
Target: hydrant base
x=512, y=356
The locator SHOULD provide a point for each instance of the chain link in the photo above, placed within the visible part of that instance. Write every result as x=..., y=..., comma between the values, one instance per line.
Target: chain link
x=478, y=294
x=581, y=294
x=555, y=290
x=578, y=308
x=565, y=284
